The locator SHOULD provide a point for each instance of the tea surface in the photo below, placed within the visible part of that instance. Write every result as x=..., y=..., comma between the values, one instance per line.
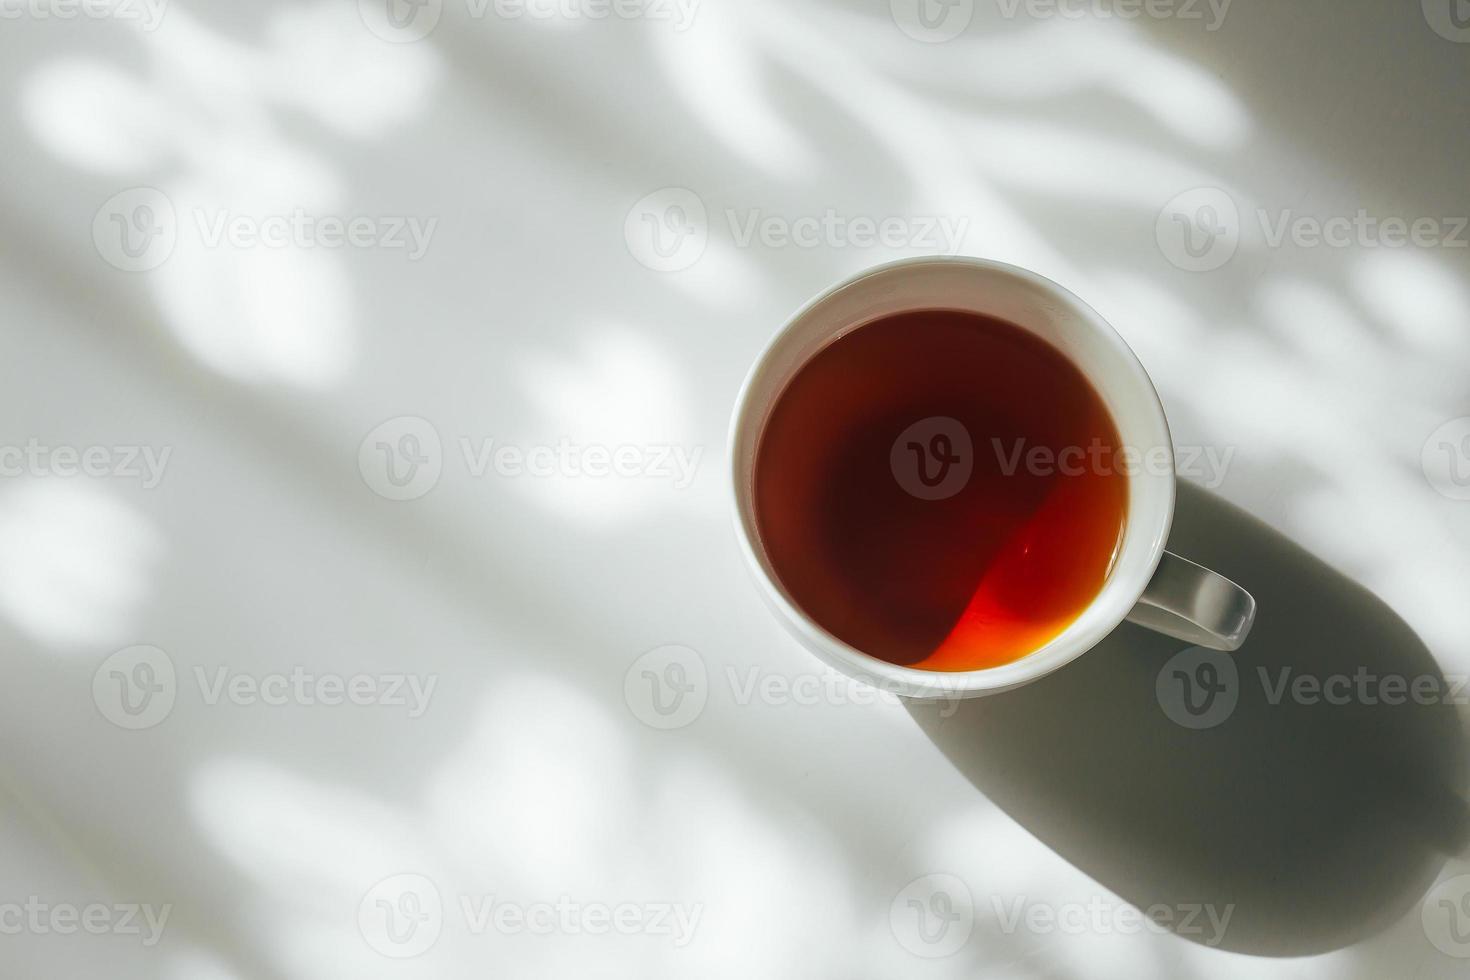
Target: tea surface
x=941, y=490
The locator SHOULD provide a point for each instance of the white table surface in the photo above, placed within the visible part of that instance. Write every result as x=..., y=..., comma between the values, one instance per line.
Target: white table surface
x=793, y=829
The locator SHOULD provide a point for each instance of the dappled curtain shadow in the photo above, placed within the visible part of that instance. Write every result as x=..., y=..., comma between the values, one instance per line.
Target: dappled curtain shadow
x=535, y=144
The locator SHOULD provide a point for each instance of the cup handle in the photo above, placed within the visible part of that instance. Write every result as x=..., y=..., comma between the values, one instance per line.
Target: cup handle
x=1189, y=602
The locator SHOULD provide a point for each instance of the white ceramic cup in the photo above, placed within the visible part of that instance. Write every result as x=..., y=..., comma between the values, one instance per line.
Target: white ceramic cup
x=1147, y=584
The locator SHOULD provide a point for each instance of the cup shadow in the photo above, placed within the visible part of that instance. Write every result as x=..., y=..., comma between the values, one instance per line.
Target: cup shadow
x=1320, y=822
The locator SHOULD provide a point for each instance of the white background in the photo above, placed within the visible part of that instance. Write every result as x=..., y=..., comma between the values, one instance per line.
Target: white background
x=534, y=317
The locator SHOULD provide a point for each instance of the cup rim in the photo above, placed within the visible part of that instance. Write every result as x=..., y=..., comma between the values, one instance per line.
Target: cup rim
x=914, y=681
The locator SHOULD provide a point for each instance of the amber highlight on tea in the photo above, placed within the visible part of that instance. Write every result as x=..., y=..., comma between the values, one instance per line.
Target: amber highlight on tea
x=895, y=501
